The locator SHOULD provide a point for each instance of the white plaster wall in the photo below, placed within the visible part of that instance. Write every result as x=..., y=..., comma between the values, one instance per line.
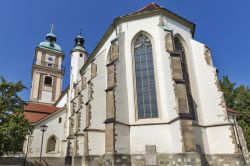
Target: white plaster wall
x=157, y=135
x=63, y=101
x=96, y=143
x=121, y=103
x=76, y=64
x=122, y=139
x=46, y=96
x=210, y=108
x=84, y=92
x=54, y=128
x=98, y=104
x=219, y=140
x=200, y=138
x=83, y=118
x=80, y=140
x=175, y=137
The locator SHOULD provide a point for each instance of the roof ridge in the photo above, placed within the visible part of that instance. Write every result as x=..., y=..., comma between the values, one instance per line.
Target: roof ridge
x=149, y=6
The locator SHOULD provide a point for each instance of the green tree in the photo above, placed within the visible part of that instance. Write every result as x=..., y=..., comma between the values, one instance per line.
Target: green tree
x=13, y=126
x=238, y=98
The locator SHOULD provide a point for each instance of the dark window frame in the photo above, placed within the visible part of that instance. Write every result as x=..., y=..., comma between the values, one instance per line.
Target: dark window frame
x=179, y=47
x=145, y=81
x=51, y=144
x=48, y=81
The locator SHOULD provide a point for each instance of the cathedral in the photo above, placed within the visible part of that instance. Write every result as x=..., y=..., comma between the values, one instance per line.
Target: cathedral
x=147, y=95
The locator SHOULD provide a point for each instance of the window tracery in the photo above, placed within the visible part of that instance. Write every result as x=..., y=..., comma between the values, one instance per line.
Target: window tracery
x=145, y=78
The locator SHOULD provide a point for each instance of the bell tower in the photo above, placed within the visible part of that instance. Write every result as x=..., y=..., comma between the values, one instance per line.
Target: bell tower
x=78, y=58
x=47, y=71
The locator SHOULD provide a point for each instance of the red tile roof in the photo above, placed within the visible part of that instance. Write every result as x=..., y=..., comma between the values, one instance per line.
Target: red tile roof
x=34, y=117
x=34, y=112
x=37, y=107
x=151, y=6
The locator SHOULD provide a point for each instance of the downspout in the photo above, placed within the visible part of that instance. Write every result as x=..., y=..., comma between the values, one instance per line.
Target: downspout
x=234, y=124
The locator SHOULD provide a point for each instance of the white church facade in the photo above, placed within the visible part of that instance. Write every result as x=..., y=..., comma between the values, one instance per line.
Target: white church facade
x=147, y=95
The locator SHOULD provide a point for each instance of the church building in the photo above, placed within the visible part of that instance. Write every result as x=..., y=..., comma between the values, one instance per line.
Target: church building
x=147, y=95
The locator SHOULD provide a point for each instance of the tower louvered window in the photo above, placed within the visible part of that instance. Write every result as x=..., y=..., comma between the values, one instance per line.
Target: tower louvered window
x=145, y=78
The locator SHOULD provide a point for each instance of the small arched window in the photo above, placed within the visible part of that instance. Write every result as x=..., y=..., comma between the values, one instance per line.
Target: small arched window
x=51, y=144
x=48, y=81
x=145, y=78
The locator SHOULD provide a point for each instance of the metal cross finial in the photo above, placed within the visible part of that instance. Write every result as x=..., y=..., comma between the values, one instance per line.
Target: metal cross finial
x=52, y=28
x=80, y=31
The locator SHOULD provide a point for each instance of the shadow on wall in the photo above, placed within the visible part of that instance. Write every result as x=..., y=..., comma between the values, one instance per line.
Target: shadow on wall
x=49, y=161
x=19, y=161
x=36, y=163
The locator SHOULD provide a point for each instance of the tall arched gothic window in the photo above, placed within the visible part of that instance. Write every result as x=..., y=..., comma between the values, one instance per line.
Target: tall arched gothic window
x=145, y=78
x=180, y=48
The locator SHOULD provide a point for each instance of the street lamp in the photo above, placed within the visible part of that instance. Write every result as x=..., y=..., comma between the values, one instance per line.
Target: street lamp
x=43, y=129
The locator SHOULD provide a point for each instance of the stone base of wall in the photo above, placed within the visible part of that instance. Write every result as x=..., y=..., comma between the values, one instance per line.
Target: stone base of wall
x=167, y=159
x=117, y=160
x=48, y=161
x=181, y=159
x=78, y=160
x=224, y=160
x=93, y=160
x=11, y=161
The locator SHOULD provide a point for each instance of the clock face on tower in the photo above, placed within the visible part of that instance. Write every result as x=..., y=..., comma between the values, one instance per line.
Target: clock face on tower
x=50, y=58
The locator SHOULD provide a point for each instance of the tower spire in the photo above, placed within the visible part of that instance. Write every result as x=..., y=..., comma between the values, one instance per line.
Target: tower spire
x=50, y=37
x=79, y=41
x=80, y=31
x=52, y=28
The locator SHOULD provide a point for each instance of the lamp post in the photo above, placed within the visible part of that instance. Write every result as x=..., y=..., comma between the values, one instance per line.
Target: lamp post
x=43, y=129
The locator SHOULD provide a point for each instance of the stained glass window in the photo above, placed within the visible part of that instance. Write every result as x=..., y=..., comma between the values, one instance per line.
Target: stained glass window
x=145, y=79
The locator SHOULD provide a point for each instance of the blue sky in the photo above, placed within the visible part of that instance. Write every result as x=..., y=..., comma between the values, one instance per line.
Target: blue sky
x=223, y=25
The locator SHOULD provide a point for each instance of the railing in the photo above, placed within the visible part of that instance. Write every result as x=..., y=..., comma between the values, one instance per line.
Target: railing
x=49, y=65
